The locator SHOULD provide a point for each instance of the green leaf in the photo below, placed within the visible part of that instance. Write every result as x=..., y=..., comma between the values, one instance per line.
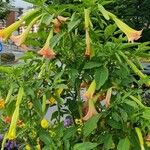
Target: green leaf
x=85, y=146
x=131, y=103
x=90, y=125
x=45, y=138
x=103, y=11
x=110, y=30
x=47, y=19
x=108, y=142
x=124, y=144
x=73, y=23
x=92, y=64
x=55, y=39
x=114, y=124
x=69, y=133
x=146, y=114
x=101, y=75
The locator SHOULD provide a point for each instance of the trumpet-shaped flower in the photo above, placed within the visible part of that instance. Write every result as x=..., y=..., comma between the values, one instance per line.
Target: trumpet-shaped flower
x=47, y=51
x=131, y=34
x=12, y=129
x=58, y=22
x=20, y=39
x=91, y=90
x=108, y=97
x=88, y=51
x=87, y=18
x=91, y=110
x=6, y=33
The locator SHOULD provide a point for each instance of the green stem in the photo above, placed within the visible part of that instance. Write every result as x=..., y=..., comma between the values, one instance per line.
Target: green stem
x=137, y=101
x=134, y=68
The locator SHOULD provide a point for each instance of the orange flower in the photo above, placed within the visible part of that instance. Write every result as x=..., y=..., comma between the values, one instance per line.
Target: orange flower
x=58, y=22
x=131, y=34
x=20, y=39
x=7, y=119
x=91, y=110
x=46, y=51
x=2, y=103
x=91, y=90
x=6, y=33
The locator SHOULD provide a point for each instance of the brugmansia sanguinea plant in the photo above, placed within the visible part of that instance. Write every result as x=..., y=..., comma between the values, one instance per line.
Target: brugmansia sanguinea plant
x=79, y=83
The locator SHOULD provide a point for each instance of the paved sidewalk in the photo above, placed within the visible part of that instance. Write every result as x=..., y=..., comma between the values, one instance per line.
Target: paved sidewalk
x=10, y=48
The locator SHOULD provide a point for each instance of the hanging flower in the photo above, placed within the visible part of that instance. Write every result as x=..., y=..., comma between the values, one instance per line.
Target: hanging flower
x=6, y=33
x=108, y=97
x=20, y=39
x=131, y=34
x=91, y=90
x=12, y=129
x=58, y=22
x=88, y=51
x=91, y=110
x=47, y=51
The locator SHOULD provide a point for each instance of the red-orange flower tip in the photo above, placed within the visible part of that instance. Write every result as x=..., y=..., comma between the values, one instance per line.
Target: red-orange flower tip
x=133, y=36
x=47, y=53
x=91, y=110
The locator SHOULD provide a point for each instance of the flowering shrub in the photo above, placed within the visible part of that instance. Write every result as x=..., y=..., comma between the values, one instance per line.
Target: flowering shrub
x=79, y=83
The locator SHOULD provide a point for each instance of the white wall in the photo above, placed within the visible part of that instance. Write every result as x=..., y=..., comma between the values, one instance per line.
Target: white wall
x=21, y=3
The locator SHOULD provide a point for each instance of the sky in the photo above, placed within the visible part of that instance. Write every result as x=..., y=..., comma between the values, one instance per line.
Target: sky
x=21, y=3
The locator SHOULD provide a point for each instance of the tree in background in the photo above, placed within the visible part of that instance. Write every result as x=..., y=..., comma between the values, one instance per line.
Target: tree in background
x=4, y=8
x=135, y=12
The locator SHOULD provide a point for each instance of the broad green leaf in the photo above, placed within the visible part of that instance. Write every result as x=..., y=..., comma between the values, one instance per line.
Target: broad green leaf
x=47, y=19
x=101, y=75
x=73, y=24
x=114, y=124
x=92, y=64
x=131, y=103
x=45, y=138
x=108, y=142
x=90, y=125
x=124, y=144
x=55, y=39
x=69, y=133
x=110, y=30
x=103, y=11
x=85, y=146
x=146, y=114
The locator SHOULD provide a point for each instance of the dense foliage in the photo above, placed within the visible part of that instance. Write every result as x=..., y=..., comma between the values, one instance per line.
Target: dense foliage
x=86, y=92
